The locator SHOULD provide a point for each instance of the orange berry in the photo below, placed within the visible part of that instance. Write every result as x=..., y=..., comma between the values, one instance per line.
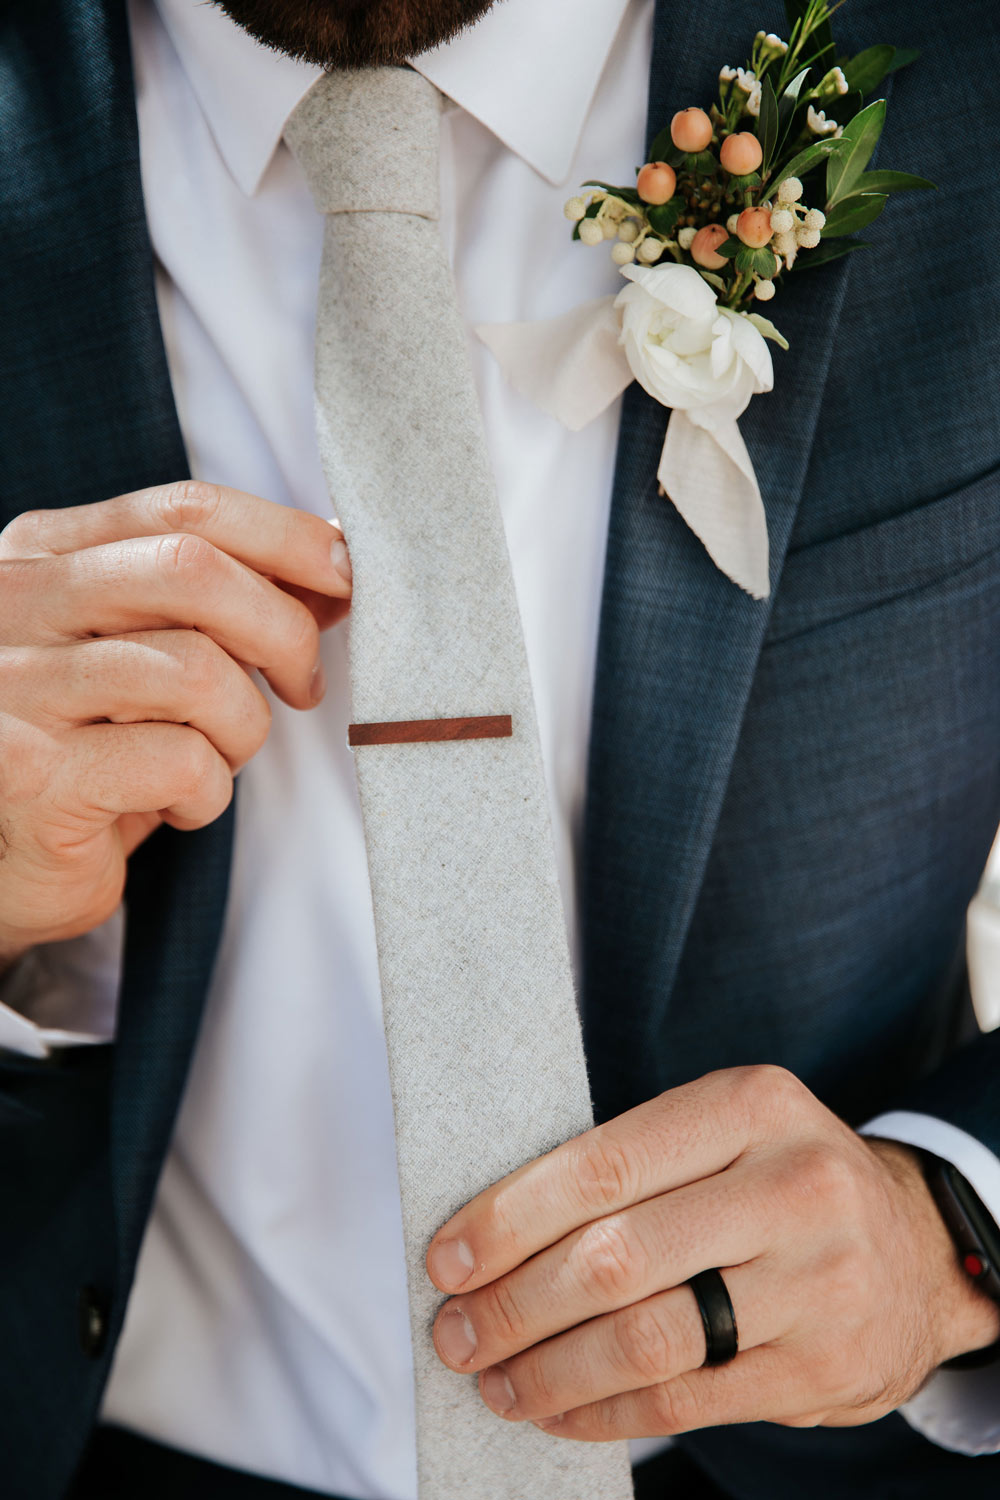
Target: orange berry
x=656, y=182
x=754, y=227
x=705, y=244
x=691, y=129
x=741, y=153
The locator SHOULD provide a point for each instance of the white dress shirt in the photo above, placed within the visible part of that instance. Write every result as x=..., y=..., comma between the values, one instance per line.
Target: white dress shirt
x=268, y=1325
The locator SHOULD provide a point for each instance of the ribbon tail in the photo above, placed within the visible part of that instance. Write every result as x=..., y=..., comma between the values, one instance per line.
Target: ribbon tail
x=707, y=473
x=571, y=367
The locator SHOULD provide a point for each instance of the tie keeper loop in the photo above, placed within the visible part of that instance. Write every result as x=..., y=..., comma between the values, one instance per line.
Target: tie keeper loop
x=430, y=731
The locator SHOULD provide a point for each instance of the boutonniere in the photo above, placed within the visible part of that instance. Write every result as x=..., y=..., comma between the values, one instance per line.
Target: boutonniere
x=770, y=180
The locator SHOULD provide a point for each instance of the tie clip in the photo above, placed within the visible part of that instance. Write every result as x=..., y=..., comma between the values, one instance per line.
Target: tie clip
x=427, y=731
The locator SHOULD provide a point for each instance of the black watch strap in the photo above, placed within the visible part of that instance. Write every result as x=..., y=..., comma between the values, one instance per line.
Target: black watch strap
x=976, y=1238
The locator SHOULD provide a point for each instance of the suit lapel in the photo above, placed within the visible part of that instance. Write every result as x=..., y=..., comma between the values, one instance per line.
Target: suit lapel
x=678, y=642
x=86, y=393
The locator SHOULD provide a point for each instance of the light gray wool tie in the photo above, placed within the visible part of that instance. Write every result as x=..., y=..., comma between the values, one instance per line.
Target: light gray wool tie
x=484, y=1044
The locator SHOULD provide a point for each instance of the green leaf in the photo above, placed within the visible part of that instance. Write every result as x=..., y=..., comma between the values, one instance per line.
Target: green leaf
x=663, y=216
x=821, y=39
x=663, y=149
x=627, y=195
x=702, y=163
x=861, y=137
x=852, y=213
x=790, y=96
x=747, y=180
x=827, y=251
x=903, y=57
x=866, y=71
x=764, y=262
x=891, y=182
x=767, y=328
x=729, y=248
x=767, y=123
x=809, y=158
x=713, y=280
x=745, y=258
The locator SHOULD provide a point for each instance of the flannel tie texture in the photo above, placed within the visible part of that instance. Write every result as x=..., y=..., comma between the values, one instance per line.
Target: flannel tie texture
x=485, y=1054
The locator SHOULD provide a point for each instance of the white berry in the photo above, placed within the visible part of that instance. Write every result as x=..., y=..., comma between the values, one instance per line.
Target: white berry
x=807, y=238
x=649, y=251
x=622, y=254
x=782, y=220
x=591, y=233
x=815, y=218
x=574, y=209
x=790, y=191
x=764, y=291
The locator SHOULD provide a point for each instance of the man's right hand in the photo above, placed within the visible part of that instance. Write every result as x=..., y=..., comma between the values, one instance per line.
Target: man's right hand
x=127, y=631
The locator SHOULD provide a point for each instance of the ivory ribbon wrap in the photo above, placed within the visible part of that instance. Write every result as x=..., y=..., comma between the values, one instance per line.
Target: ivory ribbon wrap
x=703, y=361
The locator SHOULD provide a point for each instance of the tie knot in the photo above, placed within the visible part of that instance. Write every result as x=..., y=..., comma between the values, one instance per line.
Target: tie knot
x=368, y=142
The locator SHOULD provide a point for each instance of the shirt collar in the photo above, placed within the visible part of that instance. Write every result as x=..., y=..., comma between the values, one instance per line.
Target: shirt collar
x=521, y=71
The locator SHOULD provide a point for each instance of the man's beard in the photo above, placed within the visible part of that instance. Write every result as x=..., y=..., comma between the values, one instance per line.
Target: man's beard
x=353, y=33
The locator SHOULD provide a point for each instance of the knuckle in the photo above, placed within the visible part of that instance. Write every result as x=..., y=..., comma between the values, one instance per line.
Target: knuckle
x=674, y=1407
x=189, y=505
x=200, y=661
x=303, y=633
x=824, y=1175
x=184, y=558
x=21, y=534
x=605, y=1173
x=504, y=1315
x=613, y=1261
x=644, y=1346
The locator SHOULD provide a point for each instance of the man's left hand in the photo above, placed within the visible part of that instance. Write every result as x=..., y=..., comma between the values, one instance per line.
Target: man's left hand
x=571, y=1272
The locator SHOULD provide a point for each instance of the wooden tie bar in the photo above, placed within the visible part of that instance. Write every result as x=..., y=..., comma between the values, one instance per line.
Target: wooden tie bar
x=426, y=731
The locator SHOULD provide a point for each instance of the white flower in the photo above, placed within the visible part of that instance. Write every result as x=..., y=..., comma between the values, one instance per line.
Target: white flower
x=782, y=220
x=745, y=79
x=687, y=351
x=764, y=291
x=818, y=123
x=591, y=233
x=815, y=218
x=685, y=237
x=790, y=191
x=807, y=238
x=726, y=75
x=775, y=44
x=574, y=209
x=753, y=100
x=832, y=83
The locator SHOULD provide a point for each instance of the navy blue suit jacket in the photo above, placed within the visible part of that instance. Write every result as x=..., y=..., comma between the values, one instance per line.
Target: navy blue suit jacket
x=790, y=802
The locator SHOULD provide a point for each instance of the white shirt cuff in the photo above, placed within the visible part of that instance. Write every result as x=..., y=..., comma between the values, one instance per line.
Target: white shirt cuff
x=63, y=994
x=957, y=1409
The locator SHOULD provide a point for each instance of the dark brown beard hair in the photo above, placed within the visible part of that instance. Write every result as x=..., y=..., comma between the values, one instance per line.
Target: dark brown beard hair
x=354, y=33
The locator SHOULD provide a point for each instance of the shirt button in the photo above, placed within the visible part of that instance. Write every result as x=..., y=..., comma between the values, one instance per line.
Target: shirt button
x=92, y=1321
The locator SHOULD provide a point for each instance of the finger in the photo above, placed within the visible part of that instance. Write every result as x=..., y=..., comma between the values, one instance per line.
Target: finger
x=688, y=1133
x=156, y=583
x=645, y=1344
x=145, y=768
x=608, y=1264
x=758, y=1386
x=134, y=829
x=278, y=540
x=173, y=675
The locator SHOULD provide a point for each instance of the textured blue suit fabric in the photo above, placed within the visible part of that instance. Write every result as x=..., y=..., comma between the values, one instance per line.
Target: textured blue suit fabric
x=790, y=802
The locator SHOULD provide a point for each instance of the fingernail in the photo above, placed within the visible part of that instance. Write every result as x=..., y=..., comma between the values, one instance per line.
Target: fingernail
x=340, y=560
x=498, y=1393
x=450, y=1264
x=456, y=1337
x=317, y=682
x=549, y=1424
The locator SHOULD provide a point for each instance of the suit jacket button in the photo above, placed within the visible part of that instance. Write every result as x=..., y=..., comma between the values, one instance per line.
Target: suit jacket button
x=92, y=1313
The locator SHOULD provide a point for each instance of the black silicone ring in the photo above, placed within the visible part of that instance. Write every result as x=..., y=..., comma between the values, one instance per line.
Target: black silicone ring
x=722, y=1340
